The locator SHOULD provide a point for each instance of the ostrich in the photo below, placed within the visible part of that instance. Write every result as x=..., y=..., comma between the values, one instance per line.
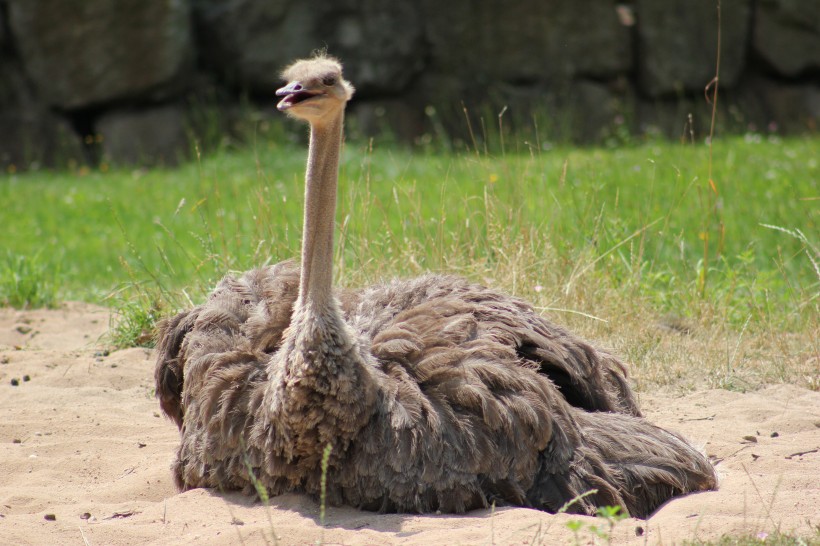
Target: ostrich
x=434, y=393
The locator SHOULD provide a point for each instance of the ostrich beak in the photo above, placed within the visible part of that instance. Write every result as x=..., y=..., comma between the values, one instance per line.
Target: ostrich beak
x=294, y=93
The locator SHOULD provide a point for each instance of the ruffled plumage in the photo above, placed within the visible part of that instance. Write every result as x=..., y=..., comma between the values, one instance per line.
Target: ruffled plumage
x=475, y=399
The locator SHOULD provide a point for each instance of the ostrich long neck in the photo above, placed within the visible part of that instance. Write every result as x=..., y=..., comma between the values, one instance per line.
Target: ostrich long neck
x=315, y=288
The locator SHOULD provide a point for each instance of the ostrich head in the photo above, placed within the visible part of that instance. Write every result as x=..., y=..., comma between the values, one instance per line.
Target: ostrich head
x=315, y=91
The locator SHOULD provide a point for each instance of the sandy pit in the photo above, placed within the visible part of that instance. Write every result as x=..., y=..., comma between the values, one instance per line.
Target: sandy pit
x=84, y=459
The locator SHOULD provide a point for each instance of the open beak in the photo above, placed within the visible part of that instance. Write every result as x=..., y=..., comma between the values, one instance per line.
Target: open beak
x=293, y=94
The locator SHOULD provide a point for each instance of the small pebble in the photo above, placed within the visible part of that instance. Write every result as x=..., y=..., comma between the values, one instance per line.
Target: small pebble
x=26, y=378
x=50, y=517
x=15, y=382
x=774, y=434
x=750, y=438
x=17, y=441
x=85, y=515
x=638, y=531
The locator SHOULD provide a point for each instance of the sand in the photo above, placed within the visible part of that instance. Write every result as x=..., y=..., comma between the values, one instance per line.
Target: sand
x=84, y=459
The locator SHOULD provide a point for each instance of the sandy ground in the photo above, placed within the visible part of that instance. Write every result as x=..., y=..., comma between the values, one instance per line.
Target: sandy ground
x=84, y=457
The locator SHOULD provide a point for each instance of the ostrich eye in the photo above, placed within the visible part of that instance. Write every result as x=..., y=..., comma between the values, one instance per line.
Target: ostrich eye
x=329, y=81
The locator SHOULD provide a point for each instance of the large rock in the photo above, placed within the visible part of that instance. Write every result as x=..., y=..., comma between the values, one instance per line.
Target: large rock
x=678, y=44
x=33, y=137
x=382, y=41
x=248, y=42
x=778, y=106
x=787, y=35
x=524, y=55
x=685, y=119
x=85, y=53
x=144, y=137
x=4, y=26
x=30, y=135
x=598, y=111
x=526, y=40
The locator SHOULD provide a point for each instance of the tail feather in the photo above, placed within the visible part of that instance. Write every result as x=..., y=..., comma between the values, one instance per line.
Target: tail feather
x=168, y=373
x=628, y=461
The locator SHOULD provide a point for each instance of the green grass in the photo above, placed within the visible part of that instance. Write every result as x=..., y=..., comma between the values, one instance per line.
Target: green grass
x=627, y=235
x=26, y=282
x=236, y=210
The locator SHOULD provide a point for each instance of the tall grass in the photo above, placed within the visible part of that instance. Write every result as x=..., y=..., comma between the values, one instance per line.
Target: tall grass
x=232, y=211
x=614, y=234
x=26, y=281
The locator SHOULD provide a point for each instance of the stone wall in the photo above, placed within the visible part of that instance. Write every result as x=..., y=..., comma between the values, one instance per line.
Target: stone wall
x=127, y=80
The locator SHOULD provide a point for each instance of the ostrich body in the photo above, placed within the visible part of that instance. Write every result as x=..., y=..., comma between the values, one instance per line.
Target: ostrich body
x=434, y=393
